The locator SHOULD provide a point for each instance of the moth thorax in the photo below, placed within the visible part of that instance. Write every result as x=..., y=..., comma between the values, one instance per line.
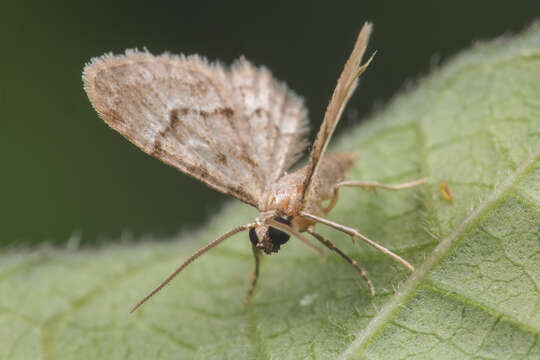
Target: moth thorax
x=268, y=238
x=285, y=195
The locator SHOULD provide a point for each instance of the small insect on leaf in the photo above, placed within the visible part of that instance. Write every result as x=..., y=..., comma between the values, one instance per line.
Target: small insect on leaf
x=237, y=130
x=446, y=191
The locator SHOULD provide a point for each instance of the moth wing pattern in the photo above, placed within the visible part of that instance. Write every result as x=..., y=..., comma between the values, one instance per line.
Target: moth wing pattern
x=185, y=112
x=277, y=118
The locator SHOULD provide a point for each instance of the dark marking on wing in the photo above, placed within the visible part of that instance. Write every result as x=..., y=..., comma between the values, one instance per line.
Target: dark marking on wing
x=113, y=118
x=157, y=150
x=226, y=111
x=174, y=117
x=221, y=158
x=176, y=114
x=245, y=157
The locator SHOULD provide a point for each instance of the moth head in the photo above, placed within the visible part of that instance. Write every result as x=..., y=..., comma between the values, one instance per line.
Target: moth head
x=268, y=238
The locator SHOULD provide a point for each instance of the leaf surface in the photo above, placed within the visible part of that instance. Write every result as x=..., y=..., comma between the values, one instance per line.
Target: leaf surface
x=475, y=124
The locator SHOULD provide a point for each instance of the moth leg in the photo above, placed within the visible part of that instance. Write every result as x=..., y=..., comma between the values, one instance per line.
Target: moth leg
x=352, y=232
x=333, y=201
x=254, y=276
x=375, y=185
x=329, y=244
x=369, y=185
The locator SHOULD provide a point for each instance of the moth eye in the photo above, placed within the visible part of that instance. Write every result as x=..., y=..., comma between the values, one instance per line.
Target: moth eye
x=253, y=237
x=279, y=237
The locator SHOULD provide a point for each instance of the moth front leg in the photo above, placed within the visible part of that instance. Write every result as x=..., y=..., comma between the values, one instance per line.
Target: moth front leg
x=254, y=275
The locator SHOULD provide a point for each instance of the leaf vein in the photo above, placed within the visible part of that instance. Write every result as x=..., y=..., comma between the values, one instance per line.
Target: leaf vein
x=443, y=249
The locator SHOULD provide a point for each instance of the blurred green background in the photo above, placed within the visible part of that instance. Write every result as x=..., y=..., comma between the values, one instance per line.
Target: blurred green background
x=65, y=173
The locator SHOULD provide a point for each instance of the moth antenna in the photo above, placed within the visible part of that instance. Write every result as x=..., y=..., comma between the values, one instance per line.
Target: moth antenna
x=353, y=232
x=289, y=230
x=329, y=244
x=353, y=83
x=190, y=259
x=342, y=93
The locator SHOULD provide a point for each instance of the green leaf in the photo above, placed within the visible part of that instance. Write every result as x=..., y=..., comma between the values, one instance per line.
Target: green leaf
x=475, y=124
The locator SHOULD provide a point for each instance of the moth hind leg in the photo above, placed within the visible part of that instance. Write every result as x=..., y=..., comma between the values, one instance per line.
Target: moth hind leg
x=377, y=185
x=355, y=233
x=369, y=185
x=333, y=201
x=254, y=277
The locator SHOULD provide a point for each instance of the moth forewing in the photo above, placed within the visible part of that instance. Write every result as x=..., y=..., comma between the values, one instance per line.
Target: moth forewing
x=213, y=123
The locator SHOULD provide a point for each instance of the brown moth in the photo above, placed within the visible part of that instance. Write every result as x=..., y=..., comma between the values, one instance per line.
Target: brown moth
x=237, y=130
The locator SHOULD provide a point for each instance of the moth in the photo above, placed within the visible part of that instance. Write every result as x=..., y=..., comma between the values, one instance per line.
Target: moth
x=237, y=130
